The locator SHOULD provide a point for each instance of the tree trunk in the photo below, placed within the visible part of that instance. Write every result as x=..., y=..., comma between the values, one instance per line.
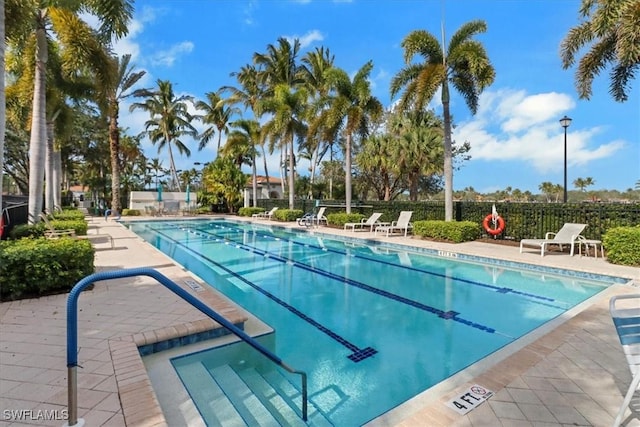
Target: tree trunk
x=347, y=175
x=37, y=143
x=283, y=170
x=2, y=102
x=292, y=173
x=174, y=174
x=48, y=171
x=266, y=171
x=254, y=183
x=448, y=167
x=114, y=147
x=57, y=177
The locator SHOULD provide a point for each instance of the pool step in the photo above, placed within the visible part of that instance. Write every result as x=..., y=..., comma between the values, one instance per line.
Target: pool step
x=209, y=397
x=244, y=397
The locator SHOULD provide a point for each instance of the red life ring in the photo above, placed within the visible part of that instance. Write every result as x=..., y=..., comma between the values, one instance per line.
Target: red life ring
x=493, y=231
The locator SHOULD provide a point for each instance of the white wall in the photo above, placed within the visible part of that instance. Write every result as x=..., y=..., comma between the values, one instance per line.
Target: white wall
x=140, y=199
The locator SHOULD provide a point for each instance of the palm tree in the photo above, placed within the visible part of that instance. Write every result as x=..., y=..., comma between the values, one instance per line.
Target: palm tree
x=2, y=106
x=464, y=64
x=117, y=90
x=583, y=183
x=217, y=114
x=279, y=66
x=314, y=70
x=609, y=30
x=169, y=121
x=250, y=92
x=351, y=109
x=83, y=47
x=288, y=108
x=244, y=140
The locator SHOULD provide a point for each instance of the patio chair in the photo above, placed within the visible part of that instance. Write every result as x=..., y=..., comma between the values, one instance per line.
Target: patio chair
x=265, y=214
x=402, y=224
x=364, y=223
x=52, y=233
x=311, y=219
x=567, y=235
x=626, y=318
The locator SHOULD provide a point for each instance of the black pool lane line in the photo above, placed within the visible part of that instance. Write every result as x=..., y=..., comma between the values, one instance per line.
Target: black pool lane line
x=447, y=315
x=357, y=354
x=498, y=289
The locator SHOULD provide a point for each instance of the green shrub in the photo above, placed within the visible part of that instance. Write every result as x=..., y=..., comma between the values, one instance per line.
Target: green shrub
x=250, y=211
x=69, y=214
x=203, y=210
x=287, y=214
x=339, y=219
x=35, y=267
x=27, y=230
x=131, y=212
x=79, y=225
x=623, y=245
x=451, y=231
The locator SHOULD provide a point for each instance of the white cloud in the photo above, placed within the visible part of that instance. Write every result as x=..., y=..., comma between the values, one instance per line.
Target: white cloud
x=307, y=39
x=169, y=56
x=513, y=126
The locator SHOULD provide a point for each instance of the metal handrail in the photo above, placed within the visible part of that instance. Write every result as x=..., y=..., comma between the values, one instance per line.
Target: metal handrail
x=72, y=332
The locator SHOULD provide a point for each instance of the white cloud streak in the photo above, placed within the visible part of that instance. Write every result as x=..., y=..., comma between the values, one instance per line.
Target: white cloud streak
x=514, y=126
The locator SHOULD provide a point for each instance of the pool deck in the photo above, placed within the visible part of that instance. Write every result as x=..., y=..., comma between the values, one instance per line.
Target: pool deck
x=572, y=372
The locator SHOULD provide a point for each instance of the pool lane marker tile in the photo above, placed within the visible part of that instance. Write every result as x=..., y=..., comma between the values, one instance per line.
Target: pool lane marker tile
x=469, y=399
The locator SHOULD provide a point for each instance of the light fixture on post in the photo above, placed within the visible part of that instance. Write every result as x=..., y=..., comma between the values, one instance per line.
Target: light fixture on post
x=565, y=122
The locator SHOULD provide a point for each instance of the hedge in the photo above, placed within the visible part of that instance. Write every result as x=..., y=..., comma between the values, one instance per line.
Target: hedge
x=457, y=232
x=287, y=215
x=339, y=219
x=250, y=211
x=36, y=267
x=131, y=212
x=623, y=245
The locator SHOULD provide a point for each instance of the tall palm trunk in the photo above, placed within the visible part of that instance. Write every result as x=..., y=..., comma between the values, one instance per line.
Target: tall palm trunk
x=57, y=176
x=49, y=170
x=174, y=173
x=219, y=140
x=448, y=167
x=2, y=101
x=347, y=175
x=292, y=173
x=283, y=170
x=266, y=171
x=114, y=146
x=37, y=143
x=254, y=183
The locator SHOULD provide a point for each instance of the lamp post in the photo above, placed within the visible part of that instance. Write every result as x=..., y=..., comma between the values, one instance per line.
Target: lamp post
x=565, y=122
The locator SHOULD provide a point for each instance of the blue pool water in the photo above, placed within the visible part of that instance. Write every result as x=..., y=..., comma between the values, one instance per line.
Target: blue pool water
x=372, y=324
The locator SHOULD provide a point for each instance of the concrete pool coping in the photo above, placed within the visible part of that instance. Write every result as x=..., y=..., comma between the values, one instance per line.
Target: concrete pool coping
x=33, y=368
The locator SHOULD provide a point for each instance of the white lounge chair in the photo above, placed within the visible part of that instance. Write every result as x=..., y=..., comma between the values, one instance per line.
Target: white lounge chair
x=402, y=224
x=364, y=223
x=311, y=219
x=265, y=214
x=567, y=235
x=626, y=318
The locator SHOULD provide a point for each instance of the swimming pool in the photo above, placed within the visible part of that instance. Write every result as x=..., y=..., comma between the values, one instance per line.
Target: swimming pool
x=372, y=325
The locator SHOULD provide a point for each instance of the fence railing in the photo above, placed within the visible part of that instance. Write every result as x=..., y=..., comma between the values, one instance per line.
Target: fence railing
x=523, y=220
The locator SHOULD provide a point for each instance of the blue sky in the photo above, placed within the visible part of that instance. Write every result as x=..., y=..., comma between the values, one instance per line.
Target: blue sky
x=516, y=137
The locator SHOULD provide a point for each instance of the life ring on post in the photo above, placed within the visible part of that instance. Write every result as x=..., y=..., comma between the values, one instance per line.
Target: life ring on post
x=487, y=225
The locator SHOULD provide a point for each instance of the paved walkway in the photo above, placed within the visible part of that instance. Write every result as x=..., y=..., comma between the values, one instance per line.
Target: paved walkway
x=573, y=374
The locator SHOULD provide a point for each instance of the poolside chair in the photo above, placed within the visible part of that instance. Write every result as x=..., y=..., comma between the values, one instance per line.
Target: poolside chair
x=567, y=235
x=402, y=224
x=626, y=318
x=310, y=219
x=364, y=223
x=265, y=214
x=52, y=233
